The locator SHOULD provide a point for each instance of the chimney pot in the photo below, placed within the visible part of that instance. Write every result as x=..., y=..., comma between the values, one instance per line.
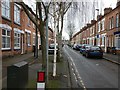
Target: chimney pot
x=107, y=10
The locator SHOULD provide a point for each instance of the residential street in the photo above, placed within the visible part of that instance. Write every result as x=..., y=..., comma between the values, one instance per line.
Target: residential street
x=91, y=72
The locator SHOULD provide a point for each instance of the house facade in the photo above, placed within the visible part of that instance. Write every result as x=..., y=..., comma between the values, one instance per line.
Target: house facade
x=17, y=32
x=103, y=32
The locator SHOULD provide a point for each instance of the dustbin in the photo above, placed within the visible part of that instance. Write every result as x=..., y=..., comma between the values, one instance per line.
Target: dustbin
x=17, y=75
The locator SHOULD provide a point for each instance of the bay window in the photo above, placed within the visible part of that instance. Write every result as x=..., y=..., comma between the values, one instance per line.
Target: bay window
x=5, y=39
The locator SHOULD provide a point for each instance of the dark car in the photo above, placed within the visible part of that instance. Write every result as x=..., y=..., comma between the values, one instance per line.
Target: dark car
x=78, y=46
x=82, y=49
x=93, y=51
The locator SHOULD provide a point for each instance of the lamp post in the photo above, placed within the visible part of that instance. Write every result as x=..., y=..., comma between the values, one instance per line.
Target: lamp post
x=36, y=37
x=47, y=68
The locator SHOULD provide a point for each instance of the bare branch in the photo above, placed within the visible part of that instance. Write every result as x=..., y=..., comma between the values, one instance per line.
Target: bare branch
x=28, y=11
x=67, y=7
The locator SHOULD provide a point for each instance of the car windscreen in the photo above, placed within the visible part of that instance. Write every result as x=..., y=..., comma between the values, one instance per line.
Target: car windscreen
x=95, y=48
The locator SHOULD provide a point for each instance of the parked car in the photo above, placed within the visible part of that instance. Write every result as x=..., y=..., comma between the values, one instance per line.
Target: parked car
x=83, y=48
x=86, y=47
x=93, y=51
x=78, y=46
x=52, y=47
x=74, y=46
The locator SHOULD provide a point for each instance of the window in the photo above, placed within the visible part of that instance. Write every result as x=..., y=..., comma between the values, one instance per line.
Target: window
x=5, y=39
x=28, y=39
x=102, y=24
x=112, y=22
x=16, y=14
x=6, y=8
x=117, y=42
x=28, y=22
x=33, y=38
x=98, y=40
x=117, y=20
x=103, y=40
x=99, y=26
x=16, y=40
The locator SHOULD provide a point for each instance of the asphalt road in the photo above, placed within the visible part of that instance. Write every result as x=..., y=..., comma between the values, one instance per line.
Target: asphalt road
x=91, y=72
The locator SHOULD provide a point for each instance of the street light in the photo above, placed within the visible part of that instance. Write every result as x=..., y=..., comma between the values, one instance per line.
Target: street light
x=36, y=37
x=47, y=68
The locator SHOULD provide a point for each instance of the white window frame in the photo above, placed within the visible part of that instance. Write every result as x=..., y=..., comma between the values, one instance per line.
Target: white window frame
x=17, y=36
x=34, y=38
x=117, y=39
x=103, y=40
x=29, y=39
x=5, y=8
x=110, y=23
x=98, y=26
x=103, y=24
x=16, y=14
x=6, y=38
x=98, y=41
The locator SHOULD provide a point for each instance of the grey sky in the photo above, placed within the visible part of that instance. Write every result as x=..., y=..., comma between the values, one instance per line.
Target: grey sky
x=78, y=23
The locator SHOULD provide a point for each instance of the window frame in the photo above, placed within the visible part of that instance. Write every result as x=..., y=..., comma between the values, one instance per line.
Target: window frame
x=5, y=9
x=29, y=39
x=18, y=37
x=6, y=39
x=17, y=14
x=117, y=20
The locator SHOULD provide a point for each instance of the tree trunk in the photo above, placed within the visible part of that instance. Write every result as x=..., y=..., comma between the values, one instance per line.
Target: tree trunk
x=59, y=47
x=43, y=46
x=60, y=39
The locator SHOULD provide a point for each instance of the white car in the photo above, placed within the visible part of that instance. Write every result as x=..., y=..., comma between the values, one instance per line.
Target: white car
x=52, y=48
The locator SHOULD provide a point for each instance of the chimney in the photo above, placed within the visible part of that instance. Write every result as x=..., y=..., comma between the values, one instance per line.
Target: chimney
x=99, y=16
x=93, y=21
x=107, y=10
x=118, y=3
x=88, y=24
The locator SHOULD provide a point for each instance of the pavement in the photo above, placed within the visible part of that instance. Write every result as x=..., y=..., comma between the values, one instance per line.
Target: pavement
x=112, y=58
x=60, y=81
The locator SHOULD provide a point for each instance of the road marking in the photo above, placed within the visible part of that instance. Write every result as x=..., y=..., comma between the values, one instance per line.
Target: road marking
x=75, y=69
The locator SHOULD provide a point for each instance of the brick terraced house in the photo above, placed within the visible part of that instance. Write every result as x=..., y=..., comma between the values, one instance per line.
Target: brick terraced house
x=103, y=32
x=17, y=32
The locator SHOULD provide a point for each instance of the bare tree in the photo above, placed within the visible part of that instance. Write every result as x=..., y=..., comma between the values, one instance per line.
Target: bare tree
x=63, y=8
x=71, y=29
x=40, y=23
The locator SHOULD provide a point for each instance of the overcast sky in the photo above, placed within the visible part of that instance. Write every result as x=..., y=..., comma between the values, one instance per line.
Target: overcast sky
x=106, y=3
